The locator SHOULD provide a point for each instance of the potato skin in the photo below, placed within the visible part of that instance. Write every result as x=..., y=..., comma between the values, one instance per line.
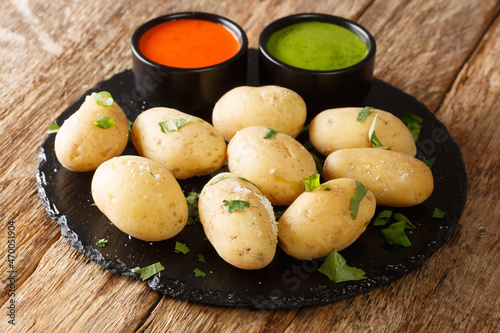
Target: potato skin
x=82, y=146
x=270, y=106
x=278, y=166
x=320, y=221
x=140, y=197
x=196, y=149
x=396, y=179
x=336, y=129
x=245, y=239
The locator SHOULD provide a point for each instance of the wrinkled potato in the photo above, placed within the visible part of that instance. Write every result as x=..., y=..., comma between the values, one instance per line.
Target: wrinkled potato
x=246, y=239
x=140, y=197
x=269, y=106
x=278, y=166
x=82, y=146
x=336, y=129
x=320, y=221
x=396, y=179
x=195, y=149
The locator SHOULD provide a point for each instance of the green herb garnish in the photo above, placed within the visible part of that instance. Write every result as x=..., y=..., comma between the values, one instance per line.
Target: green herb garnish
x=173, y=124
x=181, y=248
x=336, y=269
x=438, y=213
x=216, y=180
x=148, y=271
x=327, y=189
x=192, y=202
x=382, y=218
x=401, y=218
x=430, y=162
x=103, y=98
x=246, y=180
x=104, y=122
x=413, y=122
x=93, y=204
x=363, y=113
x=372, y=137
x=199, y=273
x=360, y=192
x=312, y=182
x=319, y=164
x=201, y=258
x=238, y=205
x=101, y=242
x=278, y=214
x=270, y=133
x=395, y=234
x=53, y=128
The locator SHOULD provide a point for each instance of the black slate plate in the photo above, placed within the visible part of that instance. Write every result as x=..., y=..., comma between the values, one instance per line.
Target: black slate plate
x=286, y=282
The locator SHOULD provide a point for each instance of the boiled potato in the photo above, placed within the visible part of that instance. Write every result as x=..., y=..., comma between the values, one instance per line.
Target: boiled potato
x=140, y=197
x=336, y=129
x=246, y=239
x=320, y=221
x=278, y=166
x=82, y=146
x=270, y=106
x=195, y=149
x=396, y=179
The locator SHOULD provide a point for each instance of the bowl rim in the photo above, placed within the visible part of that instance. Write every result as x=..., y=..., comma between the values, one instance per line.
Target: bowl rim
x=353, y=26
x=230, y=25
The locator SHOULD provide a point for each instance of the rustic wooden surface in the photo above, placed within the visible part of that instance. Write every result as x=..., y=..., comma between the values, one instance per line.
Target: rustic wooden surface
x=443, y=52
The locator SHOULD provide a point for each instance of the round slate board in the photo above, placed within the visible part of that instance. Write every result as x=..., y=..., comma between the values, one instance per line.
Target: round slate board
x=286, y=282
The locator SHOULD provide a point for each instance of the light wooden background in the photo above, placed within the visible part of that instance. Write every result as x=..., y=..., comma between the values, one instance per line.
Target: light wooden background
x=443, y=52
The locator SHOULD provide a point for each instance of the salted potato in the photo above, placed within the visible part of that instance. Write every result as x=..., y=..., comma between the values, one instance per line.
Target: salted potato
x=320, y=221
x=396, y=179
x=336, y=129
x=245, y=237
x=270, y=106
x=277, y=165
x=140, y=197
x=194, y=149
x=80, y=145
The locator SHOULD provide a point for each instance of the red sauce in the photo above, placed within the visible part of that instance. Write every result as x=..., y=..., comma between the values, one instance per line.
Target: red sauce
x=188, y=43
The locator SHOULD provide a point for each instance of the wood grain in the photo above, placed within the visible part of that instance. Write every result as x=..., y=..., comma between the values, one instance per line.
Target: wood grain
x=444, y=52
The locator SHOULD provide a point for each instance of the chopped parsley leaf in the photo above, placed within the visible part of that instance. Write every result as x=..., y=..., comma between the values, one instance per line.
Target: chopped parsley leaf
x=438, y=213
x=373, y=138
x=382, y=218
x=270, y=133
x=101, y=242
x=360, y=192
x=181, y=248
x=148, y=271
x=173, y=124
x=312, y=182
x=363, y=113
x=53, y=128
x=199, y=273
x=336, y=269
x=238, y=205
x=104, y=122
x=413, y=122
x=192, y=202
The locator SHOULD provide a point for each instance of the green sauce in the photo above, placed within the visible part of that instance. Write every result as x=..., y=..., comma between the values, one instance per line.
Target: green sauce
x=317, y=46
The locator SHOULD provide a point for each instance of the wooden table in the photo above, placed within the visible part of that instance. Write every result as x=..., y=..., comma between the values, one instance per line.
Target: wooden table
x=443, y=52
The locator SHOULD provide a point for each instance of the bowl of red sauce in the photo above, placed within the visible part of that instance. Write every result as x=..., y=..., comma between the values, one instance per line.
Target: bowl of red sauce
x=188, y=60
x=328, y=60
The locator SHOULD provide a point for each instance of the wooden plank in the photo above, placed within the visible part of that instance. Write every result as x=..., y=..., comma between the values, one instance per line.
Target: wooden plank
x=67, y=291
x=423, y=44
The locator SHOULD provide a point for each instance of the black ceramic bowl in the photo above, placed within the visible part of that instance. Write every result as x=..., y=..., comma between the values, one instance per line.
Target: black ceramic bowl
x=190, y=90
x=320, y=89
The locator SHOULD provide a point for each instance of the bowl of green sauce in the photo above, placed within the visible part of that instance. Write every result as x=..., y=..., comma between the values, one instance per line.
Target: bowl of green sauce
x=328, y=60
